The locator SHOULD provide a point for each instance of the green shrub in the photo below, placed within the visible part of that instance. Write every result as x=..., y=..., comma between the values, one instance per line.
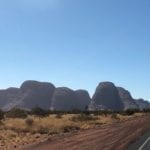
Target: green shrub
x=16, y=113
x=39, y=112
x=130, y=112
x=1, y=115
x=146, y=110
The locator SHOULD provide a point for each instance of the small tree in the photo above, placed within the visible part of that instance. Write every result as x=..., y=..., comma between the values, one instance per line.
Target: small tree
x=86, y=108
x=1, y=115
x=146, y=110
x=16, y=113
x=39, y=112
x=130, y=112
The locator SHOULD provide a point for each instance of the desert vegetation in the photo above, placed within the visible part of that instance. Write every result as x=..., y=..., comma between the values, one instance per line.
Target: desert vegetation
x=20, y=127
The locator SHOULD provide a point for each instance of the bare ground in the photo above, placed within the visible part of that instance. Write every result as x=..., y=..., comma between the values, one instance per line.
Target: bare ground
x=116, y=136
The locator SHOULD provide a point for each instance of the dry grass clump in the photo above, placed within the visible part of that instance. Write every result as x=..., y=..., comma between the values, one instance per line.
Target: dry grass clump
x=29, y=121
x=59, y=116
x=83, y=117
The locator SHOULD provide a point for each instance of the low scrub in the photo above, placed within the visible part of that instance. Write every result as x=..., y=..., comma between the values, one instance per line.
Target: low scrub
x=115, y=116
x=83, y=117
x=130, y=112
x=1, y=115
x=70, y=128
x=146, y=110
x=39, y=112
x=59, y=116
x=16, y=113
x=29, y=122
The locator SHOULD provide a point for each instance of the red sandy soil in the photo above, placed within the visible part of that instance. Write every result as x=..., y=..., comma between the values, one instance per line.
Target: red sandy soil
x=116, y=136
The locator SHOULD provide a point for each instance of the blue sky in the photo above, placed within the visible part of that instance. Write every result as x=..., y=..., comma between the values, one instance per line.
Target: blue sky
x=76, y=43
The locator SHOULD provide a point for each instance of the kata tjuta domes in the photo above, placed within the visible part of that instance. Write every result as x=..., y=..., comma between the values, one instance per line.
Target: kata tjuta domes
x=45, y=95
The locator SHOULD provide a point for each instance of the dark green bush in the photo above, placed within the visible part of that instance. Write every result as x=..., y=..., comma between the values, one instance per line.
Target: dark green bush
x=146, y=110
x=130, y=112
x=1, y=115
x=39, y=112
x=16, y=113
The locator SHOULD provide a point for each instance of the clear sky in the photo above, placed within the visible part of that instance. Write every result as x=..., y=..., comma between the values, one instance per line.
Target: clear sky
x=76, y=43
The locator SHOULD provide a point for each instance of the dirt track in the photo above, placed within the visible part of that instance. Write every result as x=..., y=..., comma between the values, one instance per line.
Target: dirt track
x=116, y=136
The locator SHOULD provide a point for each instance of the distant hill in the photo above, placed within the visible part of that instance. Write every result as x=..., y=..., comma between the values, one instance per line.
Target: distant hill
x=142, y=104
x=64, y=99
x=33, y=94
x=126, y=98
x=106, y=94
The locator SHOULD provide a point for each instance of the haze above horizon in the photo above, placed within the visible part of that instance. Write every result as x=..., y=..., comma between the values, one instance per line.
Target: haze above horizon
x=76, y=43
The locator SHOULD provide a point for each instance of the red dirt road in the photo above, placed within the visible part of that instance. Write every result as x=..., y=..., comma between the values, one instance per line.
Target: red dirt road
x=116, y=136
